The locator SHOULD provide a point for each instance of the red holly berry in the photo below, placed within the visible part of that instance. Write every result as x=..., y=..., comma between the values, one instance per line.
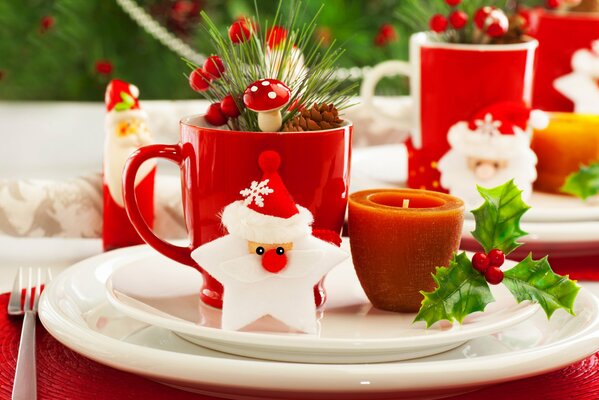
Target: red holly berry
x=275, y=36
x=46, y=23
x=496, y=258
x=480, y=262
x=453, y=3
x=553, y=4
x=199, y=80
x=458, y=19
x=239, y=32
x=229, y=107
x=214, y=67
x=480, y=16
x=103, y=67
x=438, y=23
x=494, y=275
x=388, y=32
x=214, y=115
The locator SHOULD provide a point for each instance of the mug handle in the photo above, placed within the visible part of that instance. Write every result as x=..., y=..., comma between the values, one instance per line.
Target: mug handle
x=172, y=153
x=401, y=120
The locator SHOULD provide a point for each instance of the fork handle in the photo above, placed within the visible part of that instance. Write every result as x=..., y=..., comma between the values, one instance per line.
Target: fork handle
x=25, y=385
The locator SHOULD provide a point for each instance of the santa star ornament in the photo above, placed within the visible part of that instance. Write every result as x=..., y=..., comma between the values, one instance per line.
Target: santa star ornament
x=270, y=261
x=582, y=85
x=490, y=149
x=126, y=131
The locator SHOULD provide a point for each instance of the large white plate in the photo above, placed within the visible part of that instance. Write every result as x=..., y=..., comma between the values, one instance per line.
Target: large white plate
x=386, y=166
x=74, y=309
x=165, y=294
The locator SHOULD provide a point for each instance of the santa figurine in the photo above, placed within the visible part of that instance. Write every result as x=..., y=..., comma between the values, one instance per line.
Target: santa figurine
x=491, y=149
x=269, y=261
x=581, y=86
x=126, y=131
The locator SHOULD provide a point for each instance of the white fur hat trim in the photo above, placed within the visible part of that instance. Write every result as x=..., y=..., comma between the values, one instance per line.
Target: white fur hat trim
x=251, y=225
x=496, y=147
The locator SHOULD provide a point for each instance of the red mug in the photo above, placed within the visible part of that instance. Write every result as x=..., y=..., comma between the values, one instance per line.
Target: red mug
x=217, y=164
x=450, y=83
x=559, y=36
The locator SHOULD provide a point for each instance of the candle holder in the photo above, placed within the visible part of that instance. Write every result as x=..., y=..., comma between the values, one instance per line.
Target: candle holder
x=398, y=237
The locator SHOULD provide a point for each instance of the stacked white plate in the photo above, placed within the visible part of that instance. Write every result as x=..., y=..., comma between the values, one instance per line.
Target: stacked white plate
x=135, y=310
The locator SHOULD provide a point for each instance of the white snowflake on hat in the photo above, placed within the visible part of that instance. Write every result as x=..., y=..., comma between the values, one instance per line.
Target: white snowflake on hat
x=126, y=130
x=490, y=149
x=270, y=261
x=582, y=85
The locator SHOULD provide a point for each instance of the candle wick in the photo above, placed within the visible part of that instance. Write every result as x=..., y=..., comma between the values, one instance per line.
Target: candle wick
x=406, y=203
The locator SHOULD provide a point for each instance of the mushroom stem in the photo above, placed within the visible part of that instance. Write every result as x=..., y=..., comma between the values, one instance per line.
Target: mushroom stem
x=270, y=121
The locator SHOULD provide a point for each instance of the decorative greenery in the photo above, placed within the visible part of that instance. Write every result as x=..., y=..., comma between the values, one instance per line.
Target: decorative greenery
x=583, y=183
x=462, y=290
x=498, y=219
x=535, y=281
x=126, y=103
x=57, y=60
x=311, y=81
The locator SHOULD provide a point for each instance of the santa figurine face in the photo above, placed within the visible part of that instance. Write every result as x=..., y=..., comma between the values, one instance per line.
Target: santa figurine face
x=273, y=256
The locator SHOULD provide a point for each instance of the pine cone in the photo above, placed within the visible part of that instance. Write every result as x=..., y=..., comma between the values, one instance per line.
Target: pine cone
x=316, y=118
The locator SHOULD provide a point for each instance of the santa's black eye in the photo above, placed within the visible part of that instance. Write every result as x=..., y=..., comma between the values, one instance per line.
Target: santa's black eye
x=280, y=251
x=260, y=250
x=478, y=163
x=496, y=165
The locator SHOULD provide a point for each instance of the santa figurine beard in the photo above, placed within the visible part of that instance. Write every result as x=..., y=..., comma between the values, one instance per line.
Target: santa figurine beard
x=461, y=173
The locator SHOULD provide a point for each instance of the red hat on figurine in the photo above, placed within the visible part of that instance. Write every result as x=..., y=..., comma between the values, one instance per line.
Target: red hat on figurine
x=268, y=213
x=497, y=131
x=121, y=96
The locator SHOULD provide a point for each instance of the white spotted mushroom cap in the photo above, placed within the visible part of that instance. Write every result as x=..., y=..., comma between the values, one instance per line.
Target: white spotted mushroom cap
x=266, y=95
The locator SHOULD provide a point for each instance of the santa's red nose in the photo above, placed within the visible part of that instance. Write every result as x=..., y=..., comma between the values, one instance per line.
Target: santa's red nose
x=273, y=261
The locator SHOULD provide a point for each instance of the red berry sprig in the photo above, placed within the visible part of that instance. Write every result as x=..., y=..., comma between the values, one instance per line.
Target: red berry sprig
x=438, y=23
x=489, y=265
x=239, y=31
x=458, y=19
x=215, y=116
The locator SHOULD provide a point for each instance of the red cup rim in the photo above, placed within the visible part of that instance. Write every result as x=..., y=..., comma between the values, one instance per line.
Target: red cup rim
x=423, y=39
x=197, y=121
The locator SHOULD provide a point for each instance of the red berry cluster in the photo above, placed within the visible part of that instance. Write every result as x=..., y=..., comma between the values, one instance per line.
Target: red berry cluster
x=385, y=35
x=488, y=265
x=487, y=20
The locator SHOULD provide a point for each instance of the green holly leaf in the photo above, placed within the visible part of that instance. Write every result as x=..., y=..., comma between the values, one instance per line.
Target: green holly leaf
x=127, y=99
x=498, y=219
x=461, y=290
x=583, y=183
x=534, y=280
x=126, y=104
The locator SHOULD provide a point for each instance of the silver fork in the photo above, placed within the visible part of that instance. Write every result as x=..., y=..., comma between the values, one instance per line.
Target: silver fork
x=25, y=383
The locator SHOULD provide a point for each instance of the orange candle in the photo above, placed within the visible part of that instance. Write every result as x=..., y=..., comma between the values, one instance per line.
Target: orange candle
x=398, y=237
x=570, y=140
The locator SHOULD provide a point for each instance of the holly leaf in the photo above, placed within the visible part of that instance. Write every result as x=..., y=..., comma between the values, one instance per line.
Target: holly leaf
x=583, y=183
x=461, y=290
x=126, y=104
x=127, y=99
x=498, y=219
x=534, y=280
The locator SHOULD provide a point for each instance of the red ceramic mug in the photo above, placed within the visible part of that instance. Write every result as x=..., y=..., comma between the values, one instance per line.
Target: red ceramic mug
x=559, y=36
x=450, y=83
x=216, y=164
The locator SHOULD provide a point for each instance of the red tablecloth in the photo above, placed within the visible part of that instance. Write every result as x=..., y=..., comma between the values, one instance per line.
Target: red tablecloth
x=64, y=374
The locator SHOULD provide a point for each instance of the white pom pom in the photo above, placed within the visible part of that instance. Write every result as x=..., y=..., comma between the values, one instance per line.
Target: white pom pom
x=134, y=91
x=538, y=119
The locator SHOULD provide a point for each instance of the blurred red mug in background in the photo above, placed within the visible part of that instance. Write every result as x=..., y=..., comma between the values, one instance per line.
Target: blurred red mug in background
x=217, y=164
x=450, y=83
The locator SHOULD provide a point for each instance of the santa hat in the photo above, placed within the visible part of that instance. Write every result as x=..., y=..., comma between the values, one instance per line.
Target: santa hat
x=268, y=213
x=495, y=130
x=122, y=102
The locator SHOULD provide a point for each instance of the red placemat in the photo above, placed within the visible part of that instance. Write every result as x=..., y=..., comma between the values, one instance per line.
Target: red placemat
x=64, y=374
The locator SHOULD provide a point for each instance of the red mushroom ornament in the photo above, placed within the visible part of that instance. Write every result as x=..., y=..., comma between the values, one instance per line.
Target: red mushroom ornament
x=267, y=97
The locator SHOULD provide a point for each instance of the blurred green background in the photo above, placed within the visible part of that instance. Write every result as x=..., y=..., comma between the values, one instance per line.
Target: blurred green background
x=70, y=49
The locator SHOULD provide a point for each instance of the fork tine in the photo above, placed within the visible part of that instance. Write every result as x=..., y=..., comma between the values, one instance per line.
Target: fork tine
x=27, y=305
x=38, y=289
x=14, y=304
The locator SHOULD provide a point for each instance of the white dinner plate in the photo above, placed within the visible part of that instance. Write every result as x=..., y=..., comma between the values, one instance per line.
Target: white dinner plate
x=163, y=293
x=386, y=166
x=74, y=309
